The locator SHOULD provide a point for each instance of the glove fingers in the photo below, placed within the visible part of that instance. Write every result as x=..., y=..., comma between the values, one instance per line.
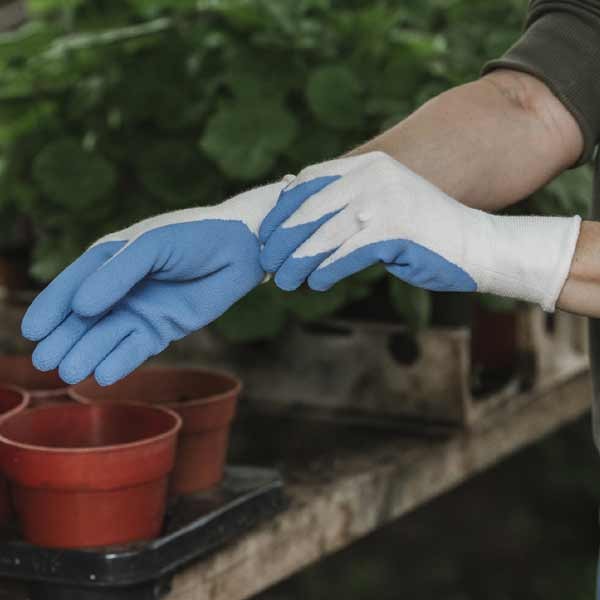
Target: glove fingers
x=95, y=345
x=53, y=304
x=110, y=283
x=289, y=201
x=354, y=256
x=51, y=350
x=308, y=256
x=133, y=351
x=284, y=242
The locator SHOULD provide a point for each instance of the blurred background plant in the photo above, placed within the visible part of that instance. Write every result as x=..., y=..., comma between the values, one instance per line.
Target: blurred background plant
x=112, y=111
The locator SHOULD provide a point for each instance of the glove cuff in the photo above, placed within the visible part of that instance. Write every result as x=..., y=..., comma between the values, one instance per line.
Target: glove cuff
x=528, y=258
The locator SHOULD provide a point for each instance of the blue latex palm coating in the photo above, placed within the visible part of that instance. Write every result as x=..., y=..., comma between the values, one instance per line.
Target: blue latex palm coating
x=284, y=242
x=53, y=305
x=168, y=283
x=289, y=201
x=405, y=259
x=294, y=271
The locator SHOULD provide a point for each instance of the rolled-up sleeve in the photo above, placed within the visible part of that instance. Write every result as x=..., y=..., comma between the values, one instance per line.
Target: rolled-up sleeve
x=561, y=46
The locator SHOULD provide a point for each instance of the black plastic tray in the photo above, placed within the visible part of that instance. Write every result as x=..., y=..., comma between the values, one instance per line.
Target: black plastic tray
x=194, y=527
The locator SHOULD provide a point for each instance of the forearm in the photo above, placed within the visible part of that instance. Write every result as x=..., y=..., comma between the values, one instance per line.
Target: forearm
x=489, y=143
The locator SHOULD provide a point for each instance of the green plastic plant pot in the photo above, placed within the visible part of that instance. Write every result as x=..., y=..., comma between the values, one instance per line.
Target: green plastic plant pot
x=204, y=399
x=87, y=476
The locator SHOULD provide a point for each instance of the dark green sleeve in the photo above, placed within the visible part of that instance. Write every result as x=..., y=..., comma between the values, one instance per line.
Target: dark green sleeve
x=561, y=46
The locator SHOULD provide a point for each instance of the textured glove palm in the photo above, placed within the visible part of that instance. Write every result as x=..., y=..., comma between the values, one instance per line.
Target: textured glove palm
x=135, y=291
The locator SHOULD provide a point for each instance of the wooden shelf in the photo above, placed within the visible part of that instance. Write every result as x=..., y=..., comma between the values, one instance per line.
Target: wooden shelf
x=355, y=492
x=351, y=483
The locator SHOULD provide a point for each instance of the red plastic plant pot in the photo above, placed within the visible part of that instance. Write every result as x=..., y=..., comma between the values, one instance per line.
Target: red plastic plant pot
x=43, y=388
x=87, y=476
x=204, y=399
x=12, y=401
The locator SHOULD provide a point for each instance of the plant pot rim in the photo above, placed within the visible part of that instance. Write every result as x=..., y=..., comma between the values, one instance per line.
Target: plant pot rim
x=172, y=431
x=236, y=388
x=38, y=394
x=25, y=398
x=23, y=361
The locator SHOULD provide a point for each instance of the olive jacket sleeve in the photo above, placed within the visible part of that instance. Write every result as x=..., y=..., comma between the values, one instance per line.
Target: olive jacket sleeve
x=561, y=46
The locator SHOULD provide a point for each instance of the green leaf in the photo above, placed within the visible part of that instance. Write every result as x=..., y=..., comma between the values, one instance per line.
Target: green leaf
x=322, y=144
x=71, y=176
x=259, y=315
x=369, y=275
x=308, y=305
x=245, y=139
x=334, y=95
x=413, y=304
x=496, y=303
x=52, y=254
x=254, y=76
x=175, y=172
x=567, y=195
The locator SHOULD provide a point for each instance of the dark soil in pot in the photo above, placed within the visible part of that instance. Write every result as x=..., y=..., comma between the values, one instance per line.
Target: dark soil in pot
x=204, y=399
x=87, y=476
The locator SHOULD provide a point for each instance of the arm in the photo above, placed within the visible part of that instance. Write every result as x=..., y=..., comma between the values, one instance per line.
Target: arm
x=492, y=142
x=489, y=144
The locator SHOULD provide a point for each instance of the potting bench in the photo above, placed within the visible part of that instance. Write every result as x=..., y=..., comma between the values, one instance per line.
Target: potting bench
x=362, y=484
x=344, y=484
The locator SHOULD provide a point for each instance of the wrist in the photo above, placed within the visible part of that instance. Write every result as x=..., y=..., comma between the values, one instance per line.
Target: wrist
x=527, y=258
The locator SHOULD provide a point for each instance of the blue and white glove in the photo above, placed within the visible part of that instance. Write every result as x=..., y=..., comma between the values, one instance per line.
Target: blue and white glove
x=339, y=217
x=135, y=291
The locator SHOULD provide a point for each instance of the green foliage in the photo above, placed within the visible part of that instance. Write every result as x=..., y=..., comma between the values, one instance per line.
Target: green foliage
x=71, y=176
x=244, y=139
x=497, y=303
x=112, y=111
x=413, y=304
x=569, y=194
x=334, y=96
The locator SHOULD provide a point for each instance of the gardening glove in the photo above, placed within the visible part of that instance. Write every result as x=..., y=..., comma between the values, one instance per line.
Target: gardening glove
x=135, y=291
x=339, y=217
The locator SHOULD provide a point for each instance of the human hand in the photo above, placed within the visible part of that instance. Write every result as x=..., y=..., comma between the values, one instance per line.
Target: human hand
x=135, y=291
x=339, y=217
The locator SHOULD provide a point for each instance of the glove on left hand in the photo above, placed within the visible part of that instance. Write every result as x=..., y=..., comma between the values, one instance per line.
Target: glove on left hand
x=135, y=291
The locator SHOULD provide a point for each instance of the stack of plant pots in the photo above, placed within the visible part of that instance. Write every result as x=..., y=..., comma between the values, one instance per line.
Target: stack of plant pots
x=87, y=466
x=42, y=388
x=205, y=400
